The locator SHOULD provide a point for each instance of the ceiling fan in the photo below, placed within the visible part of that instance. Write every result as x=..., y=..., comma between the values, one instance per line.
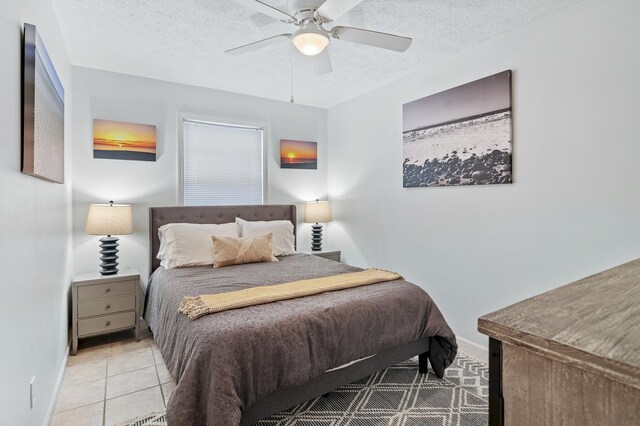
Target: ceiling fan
x=312, y=38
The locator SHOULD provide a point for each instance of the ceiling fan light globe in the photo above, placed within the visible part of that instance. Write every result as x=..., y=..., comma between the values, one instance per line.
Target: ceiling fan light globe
x=310, y=43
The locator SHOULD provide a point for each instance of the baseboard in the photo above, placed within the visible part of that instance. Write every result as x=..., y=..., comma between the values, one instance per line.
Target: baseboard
x=56, y=389
x=479, y=352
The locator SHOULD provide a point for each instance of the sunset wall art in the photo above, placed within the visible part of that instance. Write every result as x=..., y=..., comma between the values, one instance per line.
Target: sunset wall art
x=298, y=154
x=117, y=140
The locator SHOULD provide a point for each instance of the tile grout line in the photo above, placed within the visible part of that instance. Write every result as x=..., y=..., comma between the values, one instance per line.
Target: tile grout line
x=130, y=371
x=129, y=393
x=155, y=364
x=104, y=401
x=79, y=364
x=80, y=406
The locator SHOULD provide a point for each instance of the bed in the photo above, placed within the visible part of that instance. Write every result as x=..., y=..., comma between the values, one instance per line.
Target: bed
x=243, y=365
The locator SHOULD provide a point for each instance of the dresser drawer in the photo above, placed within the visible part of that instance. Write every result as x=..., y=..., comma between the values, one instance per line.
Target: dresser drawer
x=106, y=306
x=106, y=324
x=99, y=291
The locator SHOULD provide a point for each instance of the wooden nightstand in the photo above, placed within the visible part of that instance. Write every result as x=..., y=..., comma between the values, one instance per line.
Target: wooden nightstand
x=102, y=304
x=331, y=255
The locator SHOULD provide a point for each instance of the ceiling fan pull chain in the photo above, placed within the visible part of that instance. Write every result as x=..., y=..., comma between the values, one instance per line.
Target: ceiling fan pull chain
x=292, y=100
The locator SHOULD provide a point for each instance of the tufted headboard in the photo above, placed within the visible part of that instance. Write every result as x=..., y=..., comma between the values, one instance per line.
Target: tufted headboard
x=159, y=216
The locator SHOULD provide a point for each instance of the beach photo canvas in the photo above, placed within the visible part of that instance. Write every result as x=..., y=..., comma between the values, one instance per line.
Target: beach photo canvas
x=298, y=154
x=43, y=112
x=461, y=136
x=117, y=140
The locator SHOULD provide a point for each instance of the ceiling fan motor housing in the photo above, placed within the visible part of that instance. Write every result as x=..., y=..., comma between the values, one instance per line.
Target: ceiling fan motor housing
x=304, y=9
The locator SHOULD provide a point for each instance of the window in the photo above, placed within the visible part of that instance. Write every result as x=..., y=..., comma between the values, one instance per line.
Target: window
x=222, y=164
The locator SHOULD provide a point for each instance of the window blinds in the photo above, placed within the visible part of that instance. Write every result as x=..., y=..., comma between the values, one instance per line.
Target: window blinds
x=222, y=164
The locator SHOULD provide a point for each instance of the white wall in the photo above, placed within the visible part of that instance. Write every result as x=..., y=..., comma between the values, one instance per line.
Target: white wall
x=107, y=95
x=35, y=223
x=574, y=208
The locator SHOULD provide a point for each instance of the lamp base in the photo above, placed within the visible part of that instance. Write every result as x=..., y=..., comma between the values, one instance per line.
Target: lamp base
x=316, y=237
x=109, y=258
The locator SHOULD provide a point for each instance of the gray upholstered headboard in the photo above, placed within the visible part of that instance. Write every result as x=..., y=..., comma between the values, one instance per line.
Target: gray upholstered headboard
x=159, y=216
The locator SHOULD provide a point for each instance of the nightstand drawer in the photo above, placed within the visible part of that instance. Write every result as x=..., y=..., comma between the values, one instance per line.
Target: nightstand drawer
x=332, y=256
x=106, y=323
x=106, y=306
x=98, y=291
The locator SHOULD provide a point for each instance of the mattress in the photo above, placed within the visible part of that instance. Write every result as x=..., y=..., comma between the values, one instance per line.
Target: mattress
x=225, y=362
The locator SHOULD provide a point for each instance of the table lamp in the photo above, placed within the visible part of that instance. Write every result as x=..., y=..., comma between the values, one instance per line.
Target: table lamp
x=317, y=212
x=109, y=219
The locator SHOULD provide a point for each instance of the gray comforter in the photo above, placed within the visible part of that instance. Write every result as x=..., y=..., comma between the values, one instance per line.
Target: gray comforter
x=224, y=362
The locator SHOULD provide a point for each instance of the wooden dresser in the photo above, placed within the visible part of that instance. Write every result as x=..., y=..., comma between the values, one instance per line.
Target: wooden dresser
x=570, y=356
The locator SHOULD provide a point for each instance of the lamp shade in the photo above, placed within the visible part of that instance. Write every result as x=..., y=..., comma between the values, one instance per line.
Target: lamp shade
x=109, y=219
x=317, y=212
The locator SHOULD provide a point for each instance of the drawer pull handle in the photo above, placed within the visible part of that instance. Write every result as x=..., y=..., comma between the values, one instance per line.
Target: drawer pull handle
x=107, y=290
x=108, y=323
x=108, y=307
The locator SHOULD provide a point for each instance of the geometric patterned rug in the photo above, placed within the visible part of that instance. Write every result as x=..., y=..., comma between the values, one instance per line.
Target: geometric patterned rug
x=396, y=396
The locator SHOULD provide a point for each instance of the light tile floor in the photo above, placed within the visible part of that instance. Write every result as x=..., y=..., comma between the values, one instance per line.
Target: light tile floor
x=112, y=379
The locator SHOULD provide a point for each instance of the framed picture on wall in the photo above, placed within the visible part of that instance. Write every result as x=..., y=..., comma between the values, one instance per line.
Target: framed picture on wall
x=117, y=140
x=461, y=136
x=298, y=154
x=43, y=112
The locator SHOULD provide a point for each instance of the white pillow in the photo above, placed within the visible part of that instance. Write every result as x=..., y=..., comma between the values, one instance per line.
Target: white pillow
x=189, y=244
x=282, y=230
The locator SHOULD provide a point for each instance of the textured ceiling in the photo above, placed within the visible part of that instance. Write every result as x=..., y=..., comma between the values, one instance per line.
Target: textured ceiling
x=183, y=41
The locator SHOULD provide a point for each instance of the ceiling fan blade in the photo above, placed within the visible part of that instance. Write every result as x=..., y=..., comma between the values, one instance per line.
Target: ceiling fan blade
x=372, y=38
x=322, y=62
x=266, y=9
x=333, y=9
x=240, y=50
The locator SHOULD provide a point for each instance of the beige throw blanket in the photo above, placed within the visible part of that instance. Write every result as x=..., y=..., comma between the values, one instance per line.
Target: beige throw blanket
x=195, y=307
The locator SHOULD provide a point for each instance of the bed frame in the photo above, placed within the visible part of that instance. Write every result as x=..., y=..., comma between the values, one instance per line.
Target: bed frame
x=285, y=398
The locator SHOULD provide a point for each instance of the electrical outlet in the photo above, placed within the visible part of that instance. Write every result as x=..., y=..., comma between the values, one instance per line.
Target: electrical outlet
x=32, y=392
